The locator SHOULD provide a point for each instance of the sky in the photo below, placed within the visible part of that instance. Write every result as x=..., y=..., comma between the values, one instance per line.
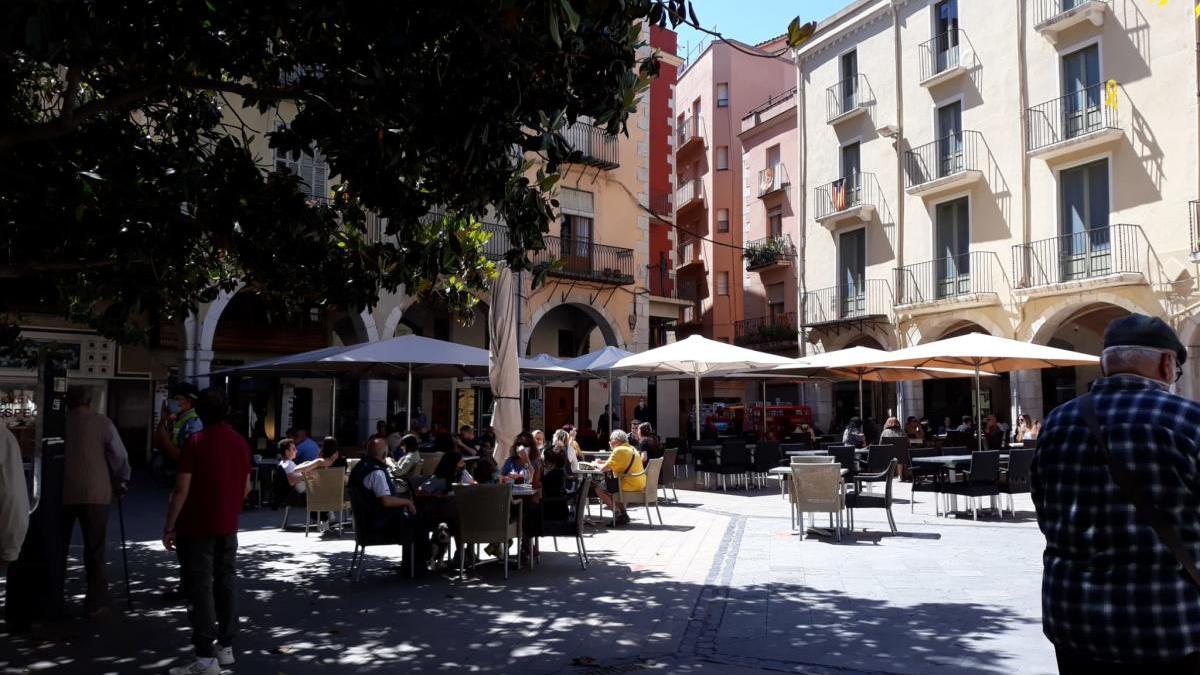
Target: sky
x=752, y=21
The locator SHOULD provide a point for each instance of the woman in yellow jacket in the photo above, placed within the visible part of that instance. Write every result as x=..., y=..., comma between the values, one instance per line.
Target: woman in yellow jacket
x=623, y=461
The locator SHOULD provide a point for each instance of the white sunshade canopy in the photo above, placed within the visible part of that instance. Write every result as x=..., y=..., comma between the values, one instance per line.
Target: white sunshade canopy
x=698, y=356
x=988, y=353
x=546, y=367
x=597, y=363
x=386, y=358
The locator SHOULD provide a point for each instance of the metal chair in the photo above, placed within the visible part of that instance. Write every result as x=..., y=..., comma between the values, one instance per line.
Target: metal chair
x=924, y=478
x=983, y=479
x=1015, y=481
x=485, y=517
x=859, y=500
x=845, y=456
x=572, y=526
x=668, y=473
x=766, y=457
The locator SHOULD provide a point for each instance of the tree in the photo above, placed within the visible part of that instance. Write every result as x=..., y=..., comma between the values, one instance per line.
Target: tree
x=130, y=191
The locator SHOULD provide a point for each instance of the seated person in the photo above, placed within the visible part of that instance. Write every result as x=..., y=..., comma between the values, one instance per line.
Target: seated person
x=405, y=470
x=306, y=448
x=805, y=430
x=966, y=427
x=913, y=429
x=648, y=443
x=853, y=434
x=623, y=461
x=554, y=483
x=465, y=442
x=518, y=468
x=891, y=429
x=331, y=455
x=287, y=463
x=451, y=469
x=376, y=508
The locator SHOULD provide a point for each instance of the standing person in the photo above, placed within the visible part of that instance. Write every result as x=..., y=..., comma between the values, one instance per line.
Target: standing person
x=1114, y=598
x=202, y=526
x=642, y=412
x=14, y=500
x=306, y=448
x=178, y=421
x=95, y=465
x=605, y=424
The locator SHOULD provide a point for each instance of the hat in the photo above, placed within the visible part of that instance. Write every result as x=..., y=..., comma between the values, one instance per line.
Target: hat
x=186, y=389
x=1139, y=330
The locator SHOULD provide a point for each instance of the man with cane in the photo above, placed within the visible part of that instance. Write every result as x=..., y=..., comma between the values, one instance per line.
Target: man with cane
x=96, y=465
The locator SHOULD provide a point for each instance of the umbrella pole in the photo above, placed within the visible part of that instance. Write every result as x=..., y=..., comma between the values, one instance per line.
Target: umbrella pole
x=978, y=411
x=697, y=380
x=408, y=403
x=862, y=412
x=333, y=407
x=763, y=432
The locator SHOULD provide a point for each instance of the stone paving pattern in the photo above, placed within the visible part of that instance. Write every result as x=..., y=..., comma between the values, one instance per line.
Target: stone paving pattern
x=725, y=587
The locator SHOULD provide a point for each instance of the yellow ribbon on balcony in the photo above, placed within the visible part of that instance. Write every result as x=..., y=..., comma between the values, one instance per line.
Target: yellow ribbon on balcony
x=1110, y=94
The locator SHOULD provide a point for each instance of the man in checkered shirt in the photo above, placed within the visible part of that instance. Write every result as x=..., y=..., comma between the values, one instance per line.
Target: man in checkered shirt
x=1113, y=595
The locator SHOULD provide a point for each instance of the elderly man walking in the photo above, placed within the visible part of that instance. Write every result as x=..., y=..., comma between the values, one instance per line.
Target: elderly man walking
x=95, y=466
x=1116, y=485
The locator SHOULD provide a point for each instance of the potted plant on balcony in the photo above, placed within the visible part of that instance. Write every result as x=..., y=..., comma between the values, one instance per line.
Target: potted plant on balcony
x=765, y=252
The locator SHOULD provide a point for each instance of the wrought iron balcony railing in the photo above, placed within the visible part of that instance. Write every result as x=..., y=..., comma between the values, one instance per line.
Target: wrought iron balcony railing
x=689, y=191
x=871, y=299
x=772, y=101
x=766, y=330
x=1045, y=11
x=843, y=194
x=847, y=96
x=691, y=129
x=772, y=179
x=1099, y=252
x=1089, y=110
x=945, y=157
x=579, y=258
x=767, y=251
x=596, y=146
x=955, y=277
x=943, y=53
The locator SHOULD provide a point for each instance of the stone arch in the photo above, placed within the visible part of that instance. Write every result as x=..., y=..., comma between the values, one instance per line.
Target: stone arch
x=886, y=340
x=936, y=328
x=603, y=319
x=1040, y=330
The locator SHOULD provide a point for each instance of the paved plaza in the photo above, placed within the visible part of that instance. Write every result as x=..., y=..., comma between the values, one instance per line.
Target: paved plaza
x=725, y=586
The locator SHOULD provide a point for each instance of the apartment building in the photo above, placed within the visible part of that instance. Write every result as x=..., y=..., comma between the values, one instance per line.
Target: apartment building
x=715, y=91
x=1025, y=169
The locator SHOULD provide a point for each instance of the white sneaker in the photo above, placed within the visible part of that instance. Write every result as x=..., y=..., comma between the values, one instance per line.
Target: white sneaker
x=198, y=667
x=225, y=656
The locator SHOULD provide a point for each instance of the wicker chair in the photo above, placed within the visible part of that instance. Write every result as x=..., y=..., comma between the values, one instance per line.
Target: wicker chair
x=429, y=462
x=817, y=488
x=325, y=491
x=647, y=495
x=484, y=517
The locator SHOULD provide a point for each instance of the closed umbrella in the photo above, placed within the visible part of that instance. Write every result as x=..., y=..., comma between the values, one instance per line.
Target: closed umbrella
x=698, y=356
x=503, y=370
x=984, y=353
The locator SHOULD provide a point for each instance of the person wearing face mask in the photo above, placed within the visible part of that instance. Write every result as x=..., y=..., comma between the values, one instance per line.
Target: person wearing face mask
x=1114, y=482
x=178, y=421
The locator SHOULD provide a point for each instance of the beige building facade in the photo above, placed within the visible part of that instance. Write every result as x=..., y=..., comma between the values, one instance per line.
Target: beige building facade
x=1026, y=169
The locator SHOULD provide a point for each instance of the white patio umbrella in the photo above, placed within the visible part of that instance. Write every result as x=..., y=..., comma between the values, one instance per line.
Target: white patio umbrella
x=698, y=356
x=598, y=364
x=544, y=368
x=402, y=355
x=984, y=353
x=859, y=363
x=503, y=371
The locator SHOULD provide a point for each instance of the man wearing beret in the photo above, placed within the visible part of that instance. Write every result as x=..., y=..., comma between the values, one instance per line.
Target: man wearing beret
x=1116, y=485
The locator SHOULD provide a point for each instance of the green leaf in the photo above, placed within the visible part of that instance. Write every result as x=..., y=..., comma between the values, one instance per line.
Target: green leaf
x=572, y=15
x=553, y=21
x=799, y=33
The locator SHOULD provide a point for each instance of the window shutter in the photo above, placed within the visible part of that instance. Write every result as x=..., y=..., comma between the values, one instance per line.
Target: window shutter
x=576, y=202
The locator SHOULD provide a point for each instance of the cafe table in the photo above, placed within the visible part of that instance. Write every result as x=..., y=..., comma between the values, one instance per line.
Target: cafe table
x=953, y=463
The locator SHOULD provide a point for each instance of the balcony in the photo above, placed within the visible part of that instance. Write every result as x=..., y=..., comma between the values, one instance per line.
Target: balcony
x=690, y=258
x=839, y=304
x=1194, y=227
x=690, y=321
x=1084, y=120
x=768, y=253
x=956, y=282
x=1116, y=255
x=950, y=163
x=499, y=244
x=767, y=332
x=769, y=109
x=772, y=179
x=689, y=195
x=1052, y=17
x=596, y=146
x=854, y=198
x=581, y=259
x=689, y=134
x=848, y=99
x=946, y=57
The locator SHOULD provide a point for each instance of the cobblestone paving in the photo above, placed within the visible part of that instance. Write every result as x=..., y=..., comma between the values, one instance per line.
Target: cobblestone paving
x=726, y=586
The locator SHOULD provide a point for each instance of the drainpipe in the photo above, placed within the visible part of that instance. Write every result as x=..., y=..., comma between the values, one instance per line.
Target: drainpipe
x=899, y=145
x=801, y=202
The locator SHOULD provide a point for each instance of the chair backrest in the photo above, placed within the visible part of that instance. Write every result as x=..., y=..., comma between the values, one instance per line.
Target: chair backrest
x=582, y=492
x=668, y=459
x=653, y=472
x=1019, y=464
x=961, y=438
x=734, y=453
x=816, y=487
x=825, y=445
x=1029, y=442
x=844, y=455
x=878, y=457
x=897, y=441
x=815, y=459
x=325, y=489
x=483, y=512
x=887, y=491
x=793, y=447
x=985, y=466
x=429, y=462
x=766, y=455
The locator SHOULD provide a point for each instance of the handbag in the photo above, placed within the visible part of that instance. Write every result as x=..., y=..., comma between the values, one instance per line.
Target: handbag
x=612, y=482
x=1128, y=486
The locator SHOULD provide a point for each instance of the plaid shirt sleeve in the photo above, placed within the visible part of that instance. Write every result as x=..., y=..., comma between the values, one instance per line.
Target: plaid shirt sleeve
x=1110, y=588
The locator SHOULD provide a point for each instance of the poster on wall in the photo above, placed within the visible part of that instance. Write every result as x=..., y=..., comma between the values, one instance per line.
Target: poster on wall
x=537, y=418
x=287, y=406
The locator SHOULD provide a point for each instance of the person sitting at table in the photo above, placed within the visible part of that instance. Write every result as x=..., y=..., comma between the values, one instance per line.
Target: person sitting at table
x=555, y=474
x=891, y=429
x=648, y=444
x=913, y=429
x=853, y=435
x=393, y=438
x=539, y=440
x=1024, y=429
x=993, y=438
x=331, y=453
x=451, y=469
x=947, y=427
x=574, y=452
x=287, y=464
x=926, y=429
x=806, y=430
x=518, y=468
x=966, y=427
x=623, y=461
x=405, y=470
x=377, y=509
x=465, y=442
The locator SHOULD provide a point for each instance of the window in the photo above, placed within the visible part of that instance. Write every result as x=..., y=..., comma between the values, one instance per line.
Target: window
x=775, y=223
x=722, y=283
x=773, y=156
x=722, y=158
x=852, y=266
x=722, y=220
x=722, y=94
x=952, y=234
x=311, y=169
x=849, y=89
x=775, y=304
x=577, y=209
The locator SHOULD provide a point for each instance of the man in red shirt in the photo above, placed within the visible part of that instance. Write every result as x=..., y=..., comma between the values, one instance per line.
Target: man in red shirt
x=202, y=525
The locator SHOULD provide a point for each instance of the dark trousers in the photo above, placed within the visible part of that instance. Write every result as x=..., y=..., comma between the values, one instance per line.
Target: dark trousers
x=207, y=566
x=93, y=524
x=1075, y=663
